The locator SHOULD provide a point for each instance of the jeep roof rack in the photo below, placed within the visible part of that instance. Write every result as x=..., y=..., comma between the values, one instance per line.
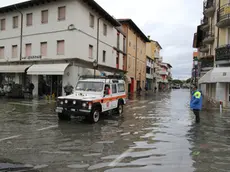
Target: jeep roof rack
x=101, y=77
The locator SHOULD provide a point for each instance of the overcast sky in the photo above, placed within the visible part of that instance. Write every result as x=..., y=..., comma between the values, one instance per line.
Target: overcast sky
x=171, y=22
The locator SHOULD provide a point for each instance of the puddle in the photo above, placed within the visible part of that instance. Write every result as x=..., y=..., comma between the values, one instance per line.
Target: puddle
x=78, y=166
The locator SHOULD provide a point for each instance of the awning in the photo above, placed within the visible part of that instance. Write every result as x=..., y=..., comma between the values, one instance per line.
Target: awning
x=220, y=74
x=13, y=68
x=47, y=69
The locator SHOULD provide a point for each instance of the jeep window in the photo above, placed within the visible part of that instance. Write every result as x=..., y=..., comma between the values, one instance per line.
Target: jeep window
x=89, y=86
x=121, y=88
x=114, y=88
x=107, y=89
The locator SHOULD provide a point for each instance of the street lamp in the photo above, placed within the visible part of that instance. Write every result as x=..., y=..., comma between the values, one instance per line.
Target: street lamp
x=95, y=65
x=195, y=66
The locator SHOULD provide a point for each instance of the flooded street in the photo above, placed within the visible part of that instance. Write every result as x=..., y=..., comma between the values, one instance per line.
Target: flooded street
x=156, y=133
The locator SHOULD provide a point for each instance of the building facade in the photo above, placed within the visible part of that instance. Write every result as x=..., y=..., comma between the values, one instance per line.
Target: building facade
x=156, y=49
x=42, y=43
x=150, y=65
x=136, y=55
x=213, y=38
x=165, y=73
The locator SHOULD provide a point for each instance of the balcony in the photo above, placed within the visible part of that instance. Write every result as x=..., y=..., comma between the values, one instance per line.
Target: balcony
x=209, y=38
x=149, y=76
x=223, y=16
x=163, y=80
x=209, y=8
x=204, y=24
x=204, y=48
x=156, y=55
x=223, y=53
x=207, y=63
x=163, y=72
x=150, y=64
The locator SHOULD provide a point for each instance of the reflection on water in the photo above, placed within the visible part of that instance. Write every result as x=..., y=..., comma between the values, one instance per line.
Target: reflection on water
x=157, y=133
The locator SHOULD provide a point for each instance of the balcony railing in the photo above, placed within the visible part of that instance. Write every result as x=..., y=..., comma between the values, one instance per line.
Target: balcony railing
x=209, y=37
x=207, y=62
x=223, y=53
x=204, y=23
x=161, y=72
x=209, y=7
x=204, y=48
x=223, y=16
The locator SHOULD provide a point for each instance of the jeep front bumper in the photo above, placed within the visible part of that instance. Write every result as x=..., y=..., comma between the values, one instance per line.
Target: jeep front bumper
x=73, y=111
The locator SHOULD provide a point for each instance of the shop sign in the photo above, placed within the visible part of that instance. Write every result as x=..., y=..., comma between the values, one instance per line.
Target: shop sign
x=227, y=10
x=32, y=58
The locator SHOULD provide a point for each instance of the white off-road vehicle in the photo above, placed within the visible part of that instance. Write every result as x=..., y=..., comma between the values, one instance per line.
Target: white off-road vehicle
x=93, y=96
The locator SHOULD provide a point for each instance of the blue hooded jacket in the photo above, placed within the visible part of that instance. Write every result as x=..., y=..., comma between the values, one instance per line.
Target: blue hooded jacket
x=196, y=100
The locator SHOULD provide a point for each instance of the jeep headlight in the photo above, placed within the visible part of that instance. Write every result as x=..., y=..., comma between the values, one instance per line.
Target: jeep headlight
x=66, y=101
x=84, y=104
x=74, y=102
x=61, y=102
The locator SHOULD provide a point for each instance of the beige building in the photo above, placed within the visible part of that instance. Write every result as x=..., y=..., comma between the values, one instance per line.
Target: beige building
x=136, y=55
x=212, y=41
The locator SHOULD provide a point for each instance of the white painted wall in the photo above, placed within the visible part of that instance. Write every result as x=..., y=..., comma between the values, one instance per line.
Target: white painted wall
x=220, y=91
x=76, y=41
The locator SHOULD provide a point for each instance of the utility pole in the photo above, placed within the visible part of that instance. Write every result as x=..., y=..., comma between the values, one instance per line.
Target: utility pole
x=98, y=34
x=21, y=32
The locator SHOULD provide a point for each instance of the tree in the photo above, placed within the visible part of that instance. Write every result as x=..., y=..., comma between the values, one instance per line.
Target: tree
x=188, y=80
x=177, y=81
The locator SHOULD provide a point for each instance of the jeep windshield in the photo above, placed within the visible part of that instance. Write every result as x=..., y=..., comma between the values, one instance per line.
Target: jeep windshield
x=89, y=86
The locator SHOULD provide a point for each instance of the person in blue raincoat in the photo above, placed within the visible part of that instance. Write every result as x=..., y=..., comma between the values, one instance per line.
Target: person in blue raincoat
x=196, y=103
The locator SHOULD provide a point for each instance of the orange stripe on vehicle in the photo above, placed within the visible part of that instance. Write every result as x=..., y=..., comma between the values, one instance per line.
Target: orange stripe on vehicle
x=109, y=99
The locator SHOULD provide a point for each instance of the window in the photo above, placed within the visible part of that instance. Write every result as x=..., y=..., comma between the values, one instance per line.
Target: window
x=15, y=22
x=114, y=88
x=3, y=24
x=61, y=13
x=29, y=19
x=44, y=48
x=121, y=88
x=104, y=56
x=91, y=20
x=44, y=17
x=118, y=40
x=90, y=86
x=105, y=29
x=14, y=51
x=61, y=47
x=117, y=60
x=90, y=51
x=124, y=45
x=2, y=52
x=28, y=49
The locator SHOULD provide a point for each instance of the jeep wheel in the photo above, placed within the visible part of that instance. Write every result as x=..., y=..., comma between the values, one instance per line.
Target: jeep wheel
x=95, y=115
x=63, y=117
x=120, y=108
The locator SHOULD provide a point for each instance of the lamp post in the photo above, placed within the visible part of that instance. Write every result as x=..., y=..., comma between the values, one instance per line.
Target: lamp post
x=95, y=65
x=195, y=66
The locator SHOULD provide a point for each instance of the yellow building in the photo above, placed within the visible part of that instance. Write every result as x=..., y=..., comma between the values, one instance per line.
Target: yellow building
x=136, y=54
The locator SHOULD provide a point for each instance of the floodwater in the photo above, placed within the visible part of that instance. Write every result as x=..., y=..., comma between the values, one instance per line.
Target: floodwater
x=156, y=133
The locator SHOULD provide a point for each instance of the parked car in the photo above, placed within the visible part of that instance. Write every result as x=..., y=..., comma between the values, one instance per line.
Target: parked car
x=92, y=97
